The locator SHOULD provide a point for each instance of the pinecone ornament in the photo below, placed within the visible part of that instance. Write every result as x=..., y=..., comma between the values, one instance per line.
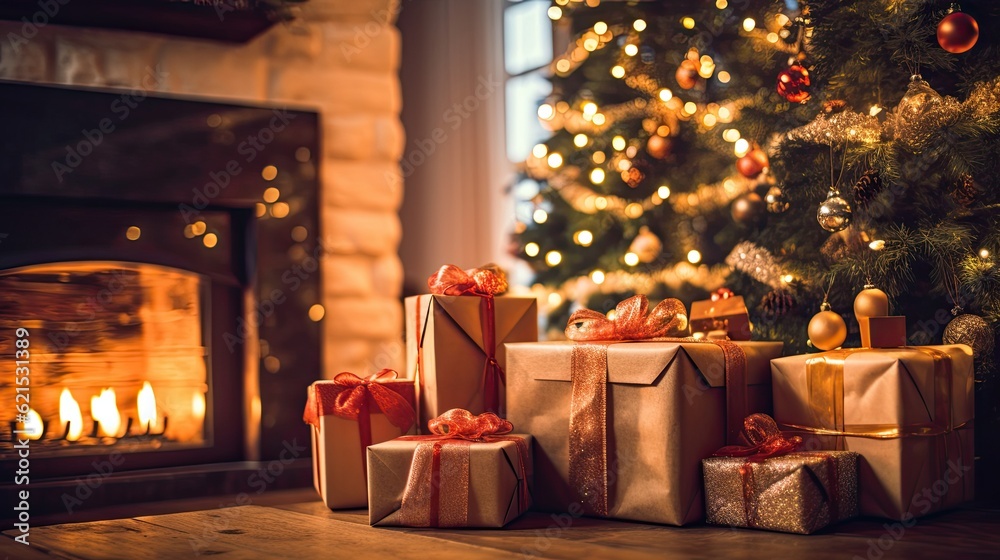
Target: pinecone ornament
x=965, y=191
x=867, y=187
x=777, y=303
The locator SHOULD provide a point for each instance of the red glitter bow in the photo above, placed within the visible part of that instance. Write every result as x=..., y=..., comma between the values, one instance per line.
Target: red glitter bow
x=765, y=439
x=632, y=321
x=458, y=423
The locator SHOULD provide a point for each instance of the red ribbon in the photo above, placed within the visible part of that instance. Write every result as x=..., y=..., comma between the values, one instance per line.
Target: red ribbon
x=461, y=427
x=352, y=397
x=485, y=282
x=632, y=321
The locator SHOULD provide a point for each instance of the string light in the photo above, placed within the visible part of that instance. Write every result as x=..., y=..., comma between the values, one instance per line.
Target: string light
x=618, y=71
x=552, y=258
x=597, y=276
x=721, y=4
x=598, y=157
x=631, y=50
x=599, y=119
x=634, y=210
x=540, y=150
x=540, y=216
x=690, y=108
x=580, y=140
x=631, y=259
x=694, y=257
x=742, y=147
x=639, y=25
x=663, y=192
x=555, y=12
x=772, y=37
x=597, y=176
x=663, y=130
x=590, y=44
x=666, y=95
x=600, y=203
x=875, y=109
x=688, y=23
x=563, y=65
x=583, y=237
x=269, y=173
x=600, y=28
x=555, y=160
x=731, y=135
x=710, y=120
x=532, y=249
x=555, y=299
x=724, y=77
x=133, y=233
x=749, y=24
x=984, y=253
x=618, y=143
x=725, y=114
x=787, y=279
x=546, y=111
x=877, y=245
x=589, y=108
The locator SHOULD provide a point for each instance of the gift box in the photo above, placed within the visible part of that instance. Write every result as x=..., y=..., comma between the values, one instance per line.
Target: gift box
x=907, y=411
x=471, y=473
x=723, y=314
x=769, y=485
x=454, y=343
x=347, y=414
x=660, y=407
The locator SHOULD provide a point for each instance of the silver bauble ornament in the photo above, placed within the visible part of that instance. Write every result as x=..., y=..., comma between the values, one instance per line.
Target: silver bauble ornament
x=776, y=200
x=834, y=213
x=646, y=245
x=971, y=330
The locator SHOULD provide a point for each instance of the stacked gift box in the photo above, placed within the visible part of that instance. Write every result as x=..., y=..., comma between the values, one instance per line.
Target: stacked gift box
x=634, y=418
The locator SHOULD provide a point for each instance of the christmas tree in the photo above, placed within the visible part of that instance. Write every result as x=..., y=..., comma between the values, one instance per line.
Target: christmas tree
x=792, y=152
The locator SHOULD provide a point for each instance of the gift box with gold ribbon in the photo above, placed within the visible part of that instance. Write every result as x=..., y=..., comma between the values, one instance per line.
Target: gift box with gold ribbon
x=769, y=485
x=470, y=471
x=907, y=411
x=455, y=337
x=624, y=412
x=347, y=414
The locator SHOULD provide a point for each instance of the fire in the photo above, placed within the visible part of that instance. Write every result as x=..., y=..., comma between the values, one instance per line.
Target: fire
x=198, y=405
x=69, y=411
x=33, y=427
x=147, y=407
x=104, y=409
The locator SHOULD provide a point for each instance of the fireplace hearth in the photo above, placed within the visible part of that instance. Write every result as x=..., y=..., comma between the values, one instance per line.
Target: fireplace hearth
x=162, y=297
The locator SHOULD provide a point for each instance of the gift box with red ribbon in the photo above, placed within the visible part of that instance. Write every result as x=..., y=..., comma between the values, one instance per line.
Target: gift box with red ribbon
x=470, y=471
x=455, y=337
x=907, y=411
x=624, y=413
x=768, y=484
x=347, y=414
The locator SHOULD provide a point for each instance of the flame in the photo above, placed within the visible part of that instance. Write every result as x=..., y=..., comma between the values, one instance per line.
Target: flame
x=33, y=427
x=147, y=407
x=198, y=406
x=104, y=409
x=69, y=411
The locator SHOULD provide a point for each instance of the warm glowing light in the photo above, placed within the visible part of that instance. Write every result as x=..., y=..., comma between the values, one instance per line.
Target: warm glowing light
x=33, y=428
x=688, y=23
x=272, y=364
x=317, y=312
x=555, y=160
x=555, y=12
x=631, y=259
x=710, y=120
x=597, y=176
x=781, y=19
x=666, y=94
x=663, y=192
x=694, y=257
x=302, y=155
x=540, y=216
x=599, y=157
x=146, y=403
x=787, y=279
x=877, y=245
x=749, y=24
x=618, y=143
x=546, y=111
x=69, y=411
x=552, y=258
x=299, y=234
x=624, y=165
x=639, y=25
x=531, y=249
x=741, y=147
x=599, y=119
x=580, y=140
x=260, y=209
x=631, y=50
x=214, y=120
x=663, y=130
x=198, y=406
x=690, y=107
x=731, y=135
x=634, y=210
x=984, y=253
x=721, y=4
x=611, y=314
x=600, y=203
x=563, y=65
x=271, y=194
x=724, y=77
x=724, y=114
x=589, y=108
x=597, y=276
x=104, y=409
x=600, y=28
x=199, y=227
x=618, y=71
x=874, y=110
x=269, y=173
x=772, y=37
x=210, y=240
x=590, y=44
x=583, y=237
x=133, y=233
x=540, y=150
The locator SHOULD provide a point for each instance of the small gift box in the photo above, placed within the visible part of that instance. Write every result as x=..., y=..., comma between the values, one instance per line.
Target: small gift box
x=347, y=415
x=455, y=337
x=724, y=313
x=470, y=472
x=907, y=411
x=767, y=485
x=622, y=418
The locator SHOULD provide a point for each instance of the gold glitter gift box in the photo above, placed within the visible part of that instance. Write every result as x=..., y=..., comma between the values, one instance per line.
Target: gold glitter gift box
x=794, y=493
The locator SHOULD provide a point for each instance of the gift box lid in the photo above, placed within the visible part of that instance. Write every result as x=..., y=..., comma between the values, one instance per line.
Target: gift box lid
x=464, y=311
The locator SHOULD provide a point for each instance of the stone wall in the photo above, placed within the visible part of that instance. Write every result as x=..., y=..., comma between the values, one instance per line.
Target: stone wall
x=341, y=58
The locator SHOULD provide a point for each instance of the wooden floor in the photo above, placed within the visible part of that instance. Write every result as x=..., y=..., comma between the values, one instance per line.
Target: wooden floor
x=294, y=524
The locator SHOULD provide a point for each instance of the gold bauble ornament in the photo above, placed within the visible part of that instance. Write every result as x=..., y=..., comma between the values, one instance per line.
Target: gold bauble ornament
x=827, y=330
x=973, y=331
x=834, y=213
x=646, y=245
x=871, y=302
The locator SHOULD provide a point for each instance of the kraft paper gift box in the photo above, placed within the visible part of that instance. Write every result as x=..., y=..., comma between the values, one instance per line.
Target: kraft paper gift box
x=338, y=450
x=426, y=481
x=725, y=314
x=666, y=411
x=446, y=351
x=907, y=411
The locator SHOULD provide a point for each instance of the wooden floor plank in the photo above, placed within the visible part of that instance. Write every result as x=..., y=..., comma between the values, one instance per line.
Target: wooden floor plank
x=11, y=549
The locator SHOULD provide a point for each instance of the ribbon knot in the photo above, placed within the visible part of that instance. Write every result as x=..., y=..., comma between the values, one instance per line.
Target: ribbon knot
x=765, y=439
x=353, y=395
x=632, y=321
x=458, y=423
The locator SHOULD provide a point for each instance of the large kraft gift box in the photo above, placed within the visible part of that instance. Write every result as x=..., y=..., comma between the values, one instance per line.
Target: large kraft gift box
x=665, y=412
x=907, y=411
x=449, y=349
x=346, y=416
x=446, y=480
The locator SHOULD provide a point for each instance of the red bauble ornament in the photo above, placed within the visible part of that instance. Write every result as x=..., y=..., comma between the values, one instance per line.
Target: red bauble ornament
x=687, y=74
x=793, y=84
x=752, y=164
x=957, y=32
x=658, y=146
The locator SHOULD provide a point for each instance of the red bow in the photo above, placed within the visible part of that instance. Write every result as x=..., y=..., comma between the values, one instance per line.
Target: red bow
x=632, y=321
x=459, y=423
x=765, y=439
x=450, y=280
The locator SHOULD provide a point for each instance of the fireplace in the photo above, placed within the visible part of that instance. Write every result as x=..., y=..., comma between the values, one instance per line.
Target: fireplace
x=159, y=288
